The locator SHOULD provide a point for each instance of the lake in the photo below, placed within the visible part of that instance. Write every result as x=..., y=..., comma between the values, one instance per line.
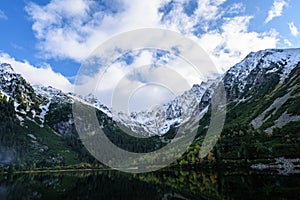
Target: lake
x=171, y=184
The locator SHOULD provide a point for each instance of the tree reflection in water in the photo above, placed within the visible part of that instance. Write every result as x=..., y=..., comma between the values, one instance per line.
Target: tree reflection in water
x=171, y=184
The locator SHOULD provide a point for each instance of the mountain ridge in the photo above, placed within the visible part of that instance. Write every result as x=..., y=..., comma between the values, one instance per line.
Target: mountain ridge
x=262, y=97
x=237, y=77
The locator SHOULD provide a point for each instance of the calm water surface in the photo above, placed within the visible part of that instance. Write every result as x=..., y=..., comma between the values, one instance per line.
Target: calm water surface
x=174, y=184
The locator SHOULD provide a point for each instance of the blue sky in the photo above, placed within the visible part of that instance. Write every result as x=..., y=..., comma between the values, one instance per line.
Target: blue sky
x=46, y=40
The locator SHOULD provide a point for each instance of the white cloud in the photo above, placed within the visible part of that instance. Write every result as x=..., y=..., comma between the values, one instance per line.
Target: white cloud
x=234, y=41
x=236, y=8
x=227, y=40
x=143, y=97
x=287, y=42
x=72, y=31
x=3, y=15
x=38, y=76
x=276, y=10
x=293, y=29
x=176, y=77
x=207, y=11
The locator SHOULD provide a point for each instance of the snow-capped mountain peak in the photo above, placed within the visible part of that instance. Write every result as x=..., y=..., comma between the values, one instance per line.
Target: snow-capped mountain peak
x=13, y=85
x=159, y=120
x=267, y=61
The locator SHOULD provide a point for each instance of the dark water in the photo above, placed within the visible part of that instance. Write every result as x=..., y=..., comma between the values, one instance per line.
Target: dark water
x=175, y=184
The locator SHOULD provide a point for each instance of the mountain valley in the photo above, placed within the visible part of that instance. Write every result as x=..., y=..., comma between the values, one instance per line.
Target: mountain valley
x=262, y=119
